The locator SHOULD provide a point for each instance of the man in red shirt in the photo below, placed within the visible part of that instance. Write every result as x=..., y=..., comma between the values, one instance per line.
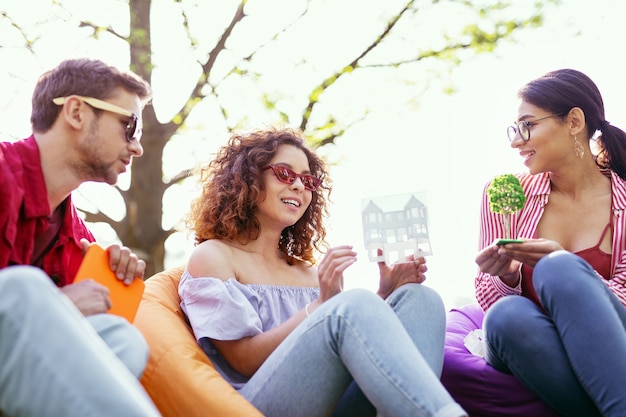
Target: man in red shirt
x=60, y=353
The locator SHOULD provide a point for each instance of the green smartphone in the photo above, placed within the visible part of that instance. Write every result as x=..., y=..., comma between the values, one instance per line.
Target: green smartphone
x=505, y=241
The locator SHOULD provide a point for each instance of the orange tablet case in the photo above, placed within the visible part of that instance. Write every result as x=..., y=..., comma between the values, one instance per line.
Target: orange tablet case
x=124, y=298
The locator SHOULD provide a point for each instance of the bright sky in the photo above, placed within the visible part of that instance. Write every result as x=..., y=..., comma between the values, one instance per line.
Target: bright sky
x=446, y=146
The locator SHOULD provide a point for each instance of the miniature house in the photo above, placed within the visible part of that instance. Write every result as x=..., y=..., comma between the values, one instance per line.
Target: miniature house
x=399, y=231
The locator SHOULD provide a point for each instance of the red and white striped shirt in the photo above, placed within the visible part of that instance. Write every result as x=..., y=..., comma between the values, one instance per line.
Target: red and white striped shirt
x=524, y=223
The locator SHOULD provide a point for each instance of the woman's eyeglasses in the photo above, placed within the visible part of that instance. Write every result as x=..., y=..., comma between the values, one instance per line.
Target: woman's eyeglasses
x=132, y=130
x=287, y=176
x=523, y=128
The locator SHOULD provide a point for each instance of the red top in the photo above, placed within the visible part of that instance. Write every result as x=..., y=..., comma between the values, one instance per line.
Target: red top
x=25, y=215
x=600, y=261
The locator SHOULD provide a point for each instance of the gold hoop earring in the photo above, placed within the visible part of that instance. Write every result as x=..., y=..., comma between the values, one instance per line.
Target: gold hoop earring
x=578, y=148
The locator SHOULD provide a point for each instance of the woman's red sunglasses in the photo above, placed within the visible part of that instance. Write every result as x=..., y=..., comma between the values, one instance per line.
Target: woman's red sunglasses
x=287, y=176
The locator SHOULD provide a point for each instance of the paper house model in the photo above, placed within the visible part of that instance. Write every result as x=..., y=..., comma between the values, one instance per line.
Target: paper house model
x=396, y=224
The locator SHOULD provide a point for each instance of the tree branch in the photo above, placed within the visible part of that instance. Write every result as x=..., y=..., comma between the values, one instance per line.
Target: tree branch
x=28, y=43
x=196, y=94
x=184, y=174
x=481, y=41
x=97, y=30
x=97, y=217
x=317, y=91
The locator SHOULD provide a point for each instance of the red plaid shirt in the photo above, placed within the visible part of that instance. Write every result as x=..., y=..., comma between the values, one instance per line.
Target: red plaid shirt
x=24, y=211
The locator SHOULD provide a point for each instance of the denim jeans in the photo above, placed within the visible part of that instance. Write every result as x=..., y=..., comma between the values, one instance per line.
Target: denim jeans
x=53, y=362
x=571, y=353
x=124, y=339
x=357, y=336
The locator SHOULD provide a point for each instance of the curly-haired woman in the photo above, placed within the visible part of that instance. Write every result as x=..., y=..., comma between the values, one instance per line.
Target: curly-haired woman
x=282, y=331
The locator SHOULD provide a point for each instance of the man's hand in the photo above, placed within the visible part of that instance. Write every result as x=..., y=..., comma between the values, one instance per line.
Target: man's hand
x=126, y=265
x=88, y=296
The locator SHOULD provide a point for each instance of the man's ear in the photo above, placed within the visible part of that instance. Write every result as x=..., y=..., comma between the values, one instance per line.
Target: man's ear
x=73, y=111
x=576, y=120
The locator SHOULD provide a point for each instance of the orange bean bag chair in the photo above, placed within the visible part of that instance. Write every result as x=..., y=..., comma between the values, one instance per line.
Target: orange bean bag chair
x=179, y=377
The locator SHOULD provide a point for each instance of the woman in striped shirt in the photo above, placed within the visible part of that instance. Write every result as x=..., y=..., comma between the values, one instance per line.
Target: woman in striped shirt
x=565, y=337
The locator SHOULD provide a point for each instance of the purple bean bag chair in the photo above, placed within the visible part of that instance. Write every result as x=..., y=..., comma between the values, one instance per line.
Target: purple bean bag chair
x=480, y=389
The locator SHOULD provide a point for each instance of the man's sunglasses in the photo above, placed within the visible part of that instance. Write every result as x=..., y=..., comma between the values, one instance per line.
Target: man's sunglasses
x=287, y=176
x=133, y=132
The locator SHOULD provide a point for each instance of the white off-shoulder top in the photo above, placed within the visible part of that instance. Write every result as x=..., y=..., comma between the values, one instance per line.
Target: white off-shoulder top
x=229, y=310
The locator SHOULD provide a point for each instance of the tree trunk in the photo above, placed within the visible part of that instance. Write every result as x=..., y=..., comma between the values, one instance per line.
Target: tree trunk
x=507, y=226
x=142, y=230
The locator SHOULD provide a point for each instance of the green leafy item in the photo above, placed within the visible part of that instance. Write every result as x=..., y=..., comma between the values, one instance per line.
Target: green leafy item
x=506, y=196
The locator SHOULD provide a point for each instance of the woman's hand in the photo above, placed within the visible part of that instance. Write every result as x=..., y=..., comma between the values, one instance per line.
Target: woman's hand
x=330, y=270
x=505, y=260
x=400, y=273
x=491, y=261
x=529, y=252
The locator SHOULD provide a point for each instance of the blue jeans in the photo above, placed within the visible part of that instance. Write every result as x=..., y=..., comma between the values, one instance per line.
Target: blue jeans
x=52, y=361
x=357, y=336
x=571, y=353
x=124, y=339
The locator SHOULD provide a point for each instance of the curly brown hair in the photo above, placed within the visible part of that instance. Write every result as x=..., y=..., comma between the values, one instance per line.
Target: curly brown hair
x=232, y=183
